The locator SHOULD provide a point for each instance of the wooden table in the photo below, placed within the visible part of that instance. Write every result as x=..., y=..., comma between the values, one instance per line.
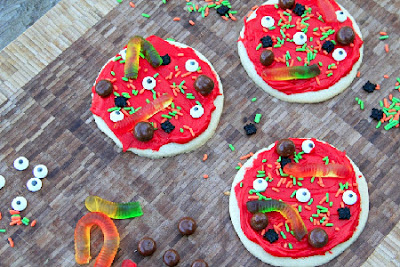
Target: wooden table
x=45, y=80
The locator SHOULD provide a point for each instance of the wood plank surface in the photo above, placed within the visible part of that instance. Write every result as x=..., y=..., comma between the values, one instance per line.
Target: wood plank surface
x=45, y=80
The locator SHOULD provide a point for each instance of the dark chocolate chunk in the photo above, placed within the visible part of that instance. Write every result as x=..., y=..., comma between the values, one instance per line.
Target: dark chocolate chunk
x=259, y=221
x=284, y=161
x=285, y=147
x=317, y=238
x=266, y=41
x=376, y=114
x=369, y=87
x=166, y=59
x=167, y=126
x=222, y=10
x=144, y=131
x=344, y=213
x=286, y=4
x=267, y=57
x=271, y=235
x=250, y=129
x=199, y=263
x=147, y=246
x=104, y=88
x=299, y=9
x=187, y=226
x=171, y=257
x=120, y=101
x=204, y=85
x=328, y=46
x=345, y=35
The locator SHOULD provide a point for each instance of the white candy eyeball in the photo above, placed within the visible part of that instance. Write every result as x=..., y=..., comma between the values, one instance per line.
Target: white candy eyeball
x=40, y=171
x=196, y=111
x=267, y=21
x=303, y=195
x=116, y=115
x=191, y=65
x=341, y=17
x=307, y=146
x=299, y=38
x=149, y=83
x=339, y=54
x=21, y=163
x=2, y=181
x=260, y=185
x=349, y=197
x=123, y=54
x=34, y=184
x=19, y=203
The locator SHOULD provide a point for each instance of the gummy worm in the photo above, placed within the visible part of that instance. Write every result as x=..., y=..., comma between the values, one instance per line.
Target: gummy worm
x=287, y=211
x=291, y=73
x=128, y=263
x=113, y=210
x=136, y=45
x=317, y=169
x=327, y=10
x=82, y=239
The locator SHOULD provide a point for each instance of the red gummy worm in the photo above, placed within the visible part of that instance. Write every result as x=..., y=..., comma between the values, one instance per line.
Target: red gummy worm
x=82, y=239
x=128, y=263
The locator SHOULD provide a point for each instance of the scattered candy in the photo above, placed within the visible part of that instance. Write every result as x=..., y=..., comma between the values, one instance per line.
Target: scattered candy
x=339, y=54
x=40, y=171
x=259, y=221
x=285, y=147
x=171, y=257
x=250, y=129
x=349, y=197
x=260, y=185
x=307, y=146
x=128, y=263
x=303, y=195
x=191, y=65
x=116, y=115
x=271, y=236
x=147, y=246
x=318, y=238
x=34, y=184
x=113, y=210
x=19, y=203
x=21, y=163
x=291, y=73
x=317, y=170
x=196, y=111
x=187, y=226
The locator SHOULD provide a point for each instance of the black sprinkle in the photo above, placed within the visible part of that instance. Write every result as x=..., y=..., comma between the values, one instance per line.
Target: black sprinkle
x=120, y=101
x=376, y=114
x=271, y=236
x=328, y=46
x=222, y=10
x=285, y=161
x=166, y=59
x=266, y=41
x=250, y=129
x=299, y=9
x=344, y=213
x=369, y=87
x=167, y=126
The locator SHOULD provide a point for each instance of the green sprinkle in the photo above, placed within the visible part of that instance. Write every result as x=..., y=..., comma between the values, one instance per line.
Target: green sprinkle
x=312, y=179
x=231, y=147
x=279, y=159
x=315, y=29
x=287, y=227
x=190, y=97
x=283, y=235
x=156, y=75
x=112, y=73
x=290, y=245
x=326, y=159
x=293, y=194
x=145, y=15
x=260, y=175
x=378, y=125
x=113, y=109
x=276, y=6
x=119, y=1
x=122, y=61
x=329, y=74
x=384, y=37
x=322, y=220
x=254, y=99
x=272, y=28
x=126, y=95
x=299, y=208
x=283, y=34
x=116, y=94
x=166, y=116
x=170, y=39
x=299, y=183
x=241, y=184
x=294, y=180
x=329, y=224
x=258, y=47
x=311, y=219
x=315, y=215
x=257, y=118
x=117, y=58
x=321, y=207
x=2, y=230
x=310, y=202
x=181, y=130
x=147, y=101
x=282, y=173
x=198, y=103
x=277, y=45
x=288, y=55
x=264, y=160
x=330, y=204
x=237, y=167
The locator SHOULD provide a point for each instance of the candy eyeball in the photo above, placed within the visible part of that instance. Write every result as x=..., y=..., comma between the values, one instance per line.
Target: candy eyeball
x=40, y=171
x=196, y=111
x=191, y=65
x=19, y=203
x=2, y=181
x=341, y=17
x=34, y=184
x=267, y=21
x=123, y=54
x=299, y=38
x=21, y=163
x=303, y=195
x=116, y=115
x=349, y=197
x=260, y=185
x=307, y=146
x=339, y=54
x=149, y=83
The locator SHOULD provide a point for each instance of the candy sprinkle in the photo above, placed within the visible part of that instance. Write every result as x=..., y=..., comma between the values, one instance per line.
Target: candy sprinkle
x=231, y=147
x=145, y=15
x=257, y=118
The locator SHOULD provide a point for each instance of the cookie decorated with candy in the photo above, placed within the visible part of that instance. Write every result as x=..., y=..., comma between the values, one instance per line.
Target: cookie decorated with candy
x=299, y=202
x=157, y=98
x=301, y=51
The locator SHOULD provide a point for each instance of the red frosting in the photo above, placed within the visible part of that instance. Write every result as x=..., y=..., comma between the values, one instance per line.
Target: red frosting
x=341, y=230
x=178, y=56
x=254, y=32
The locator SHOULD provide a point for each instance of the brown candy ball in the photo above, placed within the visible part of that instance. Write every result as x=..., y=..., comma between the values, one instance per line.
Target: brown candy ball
x=285, y=147
x=144, y=131
x=199, y=263
x=345, y=35
x=171, y=257
x=259, y=221
x=187, y=226
x=104, y=88
x=286, y=4
x=204, y=85
x=147, y=246
x=317, y=238
x=267, y=57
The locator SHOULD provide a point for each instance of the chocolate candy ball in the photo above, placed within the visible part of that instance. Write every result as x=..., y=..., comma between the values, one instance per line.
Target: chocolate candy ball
x=259, y=221
x=104, y=88
x=171, y=257
x=187, y=226
x=285, y=147
x=317, y=238
x=345, y=35
x=147, y=246
x=204, y=85
x=286, y=4
x=267, y=57
x=199, y=263
x=144, y=131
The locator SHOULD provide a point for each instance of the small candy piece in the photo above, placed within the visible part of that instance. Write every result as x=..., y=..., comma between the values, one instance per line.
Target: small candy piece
x=104, y=88
x=266, y=41
x=285, y=147
x=328, y=46
x=267, y=57
x=166, y=59
x=40, y=171
x=128, y=263
x=147, y=246
x=34, y=184
x=259, y=221
x=271, y=236
x=307, y=146
x=317, y=170
x=21, y=163
x=299, y=9
x=2, y=181
x=171, y=257
x=376, y=114
x=191, y=65
x=291, y=73
x=286, y=4
x=116, y=115
x=149, y=83
x=222, y=10
x=204, y=85
x=260, y=185
x=19, y=203
x=120, y=101
x=284, y=161
x=340, y=16
x=303, y=195
x=167, y=126
x=344, y=213
x=199, y=263
x=187, y=226
x=339, y=54
x=345, y=35
x=327, y=10
x=369, y=87
x=299, y=38
x=196, y=111
x=114, y=210
x=349, y=197
x=144, y=131
x=267, y=21
x=250, y=129
x=317, y=238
